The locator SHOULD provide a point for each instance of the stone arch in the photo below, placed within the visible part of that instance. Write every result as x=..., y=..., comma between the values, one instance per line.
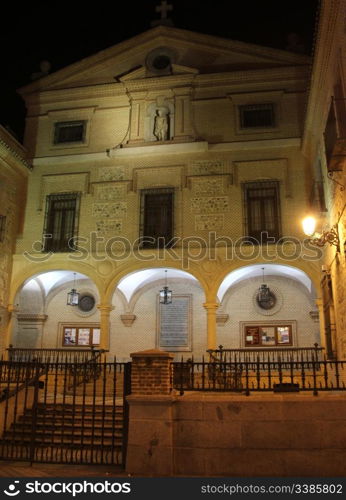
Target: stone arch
x=41, y=307
x=295, y=303
x=128, y=270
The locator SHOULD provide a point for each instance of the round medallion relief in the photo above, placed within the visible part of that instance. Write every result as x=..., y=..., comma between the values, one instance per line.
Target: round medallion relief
x=270, y=304
x=86, y=303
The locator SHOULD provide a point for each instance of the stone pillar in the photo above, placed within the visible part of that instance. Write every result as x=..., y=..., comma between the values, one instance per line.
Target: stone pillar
x=137, y=117
x=105, y=311
x=12, y=309
x=211, y=308
x=319, y=304
x=150, y=435
x=183, y=123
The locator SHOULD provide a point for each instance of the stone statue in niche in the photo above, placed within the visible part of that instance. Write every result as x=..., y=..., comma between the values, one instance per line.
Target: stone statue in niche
x=161, y=124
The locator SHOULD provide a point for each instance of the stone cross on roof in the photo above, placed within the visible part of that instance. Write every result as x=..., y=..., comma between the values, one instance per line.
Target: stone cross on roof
x=164, y=8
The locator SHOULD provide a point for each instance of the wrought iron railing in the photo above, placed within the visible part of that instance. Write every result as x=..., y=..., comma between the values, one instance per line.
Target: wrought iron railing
x=266, y=354
x=260, y=376
x=86, y=371
x=50, y=355
x=15, y=376
x=45, y=420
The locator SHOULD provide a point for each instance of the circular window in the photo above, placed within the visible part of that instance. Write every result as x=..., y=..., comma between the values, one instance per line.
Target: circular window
x=86, y=303
x=161, y=62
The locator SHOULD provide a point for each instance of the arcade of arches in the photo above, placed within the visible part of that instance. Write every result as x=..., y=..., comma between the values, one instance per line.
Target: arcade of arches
x=134, y=320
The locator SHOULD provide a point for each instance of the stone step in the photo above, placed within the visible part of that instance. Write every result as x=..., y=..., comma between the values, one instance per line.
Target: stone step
x=77, y=420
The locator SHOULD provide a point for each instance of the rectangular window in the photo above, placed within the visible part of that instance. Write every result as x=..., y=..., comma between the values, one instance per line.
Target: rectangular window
x=73, y=131
x=261, y=208
x=2, y=227
x=268, y=336
x=257, y=115
x=156, y=226
x=61, y=222
x=80, y=336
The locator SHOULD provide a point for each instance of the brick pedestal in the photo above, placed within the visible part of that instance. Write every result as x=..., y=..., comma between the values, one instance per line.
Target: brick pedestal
x=150, y=439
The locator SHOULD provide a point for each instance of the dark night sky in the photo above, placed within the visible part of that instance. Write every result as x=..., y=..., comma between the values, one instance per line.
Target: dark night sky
x=64, y=32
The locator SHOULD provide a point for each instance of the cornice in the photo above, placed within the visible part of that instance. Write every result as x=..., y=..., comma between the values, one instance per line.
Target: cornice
x=8, y=153
x=182, y=148
x=163, y=34
x=120, y=90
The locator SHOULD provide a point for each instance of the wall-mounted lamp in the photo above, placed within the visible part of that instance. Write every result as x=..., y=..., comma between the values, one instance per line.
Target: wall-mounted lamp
x=330, y=236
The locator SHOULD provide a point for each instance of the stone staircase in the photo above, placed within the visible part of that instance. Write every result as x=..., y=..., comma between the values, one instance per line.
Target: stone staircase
x=69, y=432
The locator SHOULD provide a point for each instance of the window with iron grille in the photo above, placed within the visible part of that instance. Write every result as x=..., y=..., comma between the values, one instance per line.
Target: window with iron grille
x=257, y=115
x=261, y=209
x=156, y=224
x=73, y=131
x=2, y=227
x=61, y=222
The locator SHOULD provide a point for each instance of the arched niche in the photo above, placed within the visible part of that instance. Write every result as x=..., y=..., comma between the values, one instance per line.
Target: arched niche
x=162, y=109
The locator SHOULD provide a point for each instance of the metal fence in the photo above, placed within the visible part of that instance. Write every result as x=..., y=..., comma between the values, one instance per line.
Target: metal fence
x=267, y=355
x=64, y=412
x=50, y=355
x=260, y=376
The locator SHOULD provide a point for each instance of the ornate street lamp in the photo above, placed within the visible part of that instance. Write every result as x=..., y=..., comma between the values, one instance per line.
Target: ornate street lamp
x=165, y=293
x=73, y=295
x=330, y=236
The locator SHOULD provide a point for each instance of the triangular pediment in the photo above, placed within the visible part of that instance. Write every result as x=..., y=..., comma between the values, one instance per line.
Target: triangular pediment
x=144, y=72
x=190, y=53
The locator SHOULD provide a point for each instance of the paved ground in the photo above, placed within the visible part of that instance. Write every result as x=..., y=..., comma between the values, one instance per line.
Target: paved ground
x=24, y=469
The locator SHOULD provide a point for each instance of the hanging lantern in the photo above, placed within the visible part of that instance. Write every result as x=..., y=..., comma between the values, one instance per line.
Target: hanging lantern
x=165, y=293
x=263, y=293
x=265, y=297
x=73, y=295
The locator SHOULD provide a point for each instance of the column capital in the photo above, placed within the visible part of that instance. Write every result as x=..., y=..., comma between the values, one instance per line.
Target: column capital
x=105, y=308
x=319, y=302
x=209, y=306
x=12, y=308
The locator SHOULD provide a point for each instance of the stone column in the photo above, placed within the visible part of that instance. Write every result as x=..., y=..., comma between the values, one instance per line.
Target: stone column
x=105, y=311
x=150, y=437
x=211, y=308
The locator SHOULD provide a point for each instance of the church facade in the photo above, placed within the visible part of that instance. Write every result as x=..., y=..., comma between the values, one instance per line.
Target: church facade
x=171, y=161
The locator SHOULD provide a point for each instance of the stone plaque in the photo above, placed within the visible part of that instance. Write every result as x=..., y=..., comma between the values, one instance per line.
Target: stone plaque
x=109, y=226
x=209, y=222
x=112, y=173
x=175, y=324
x=110, y=210
x=208, y=187
x=204, y=167
x=210, y=205
x=110, y=193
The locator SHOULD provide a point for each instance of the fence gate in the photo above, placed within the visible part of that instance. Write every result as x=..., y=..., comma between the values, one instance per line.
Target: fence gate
x=63, y=412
